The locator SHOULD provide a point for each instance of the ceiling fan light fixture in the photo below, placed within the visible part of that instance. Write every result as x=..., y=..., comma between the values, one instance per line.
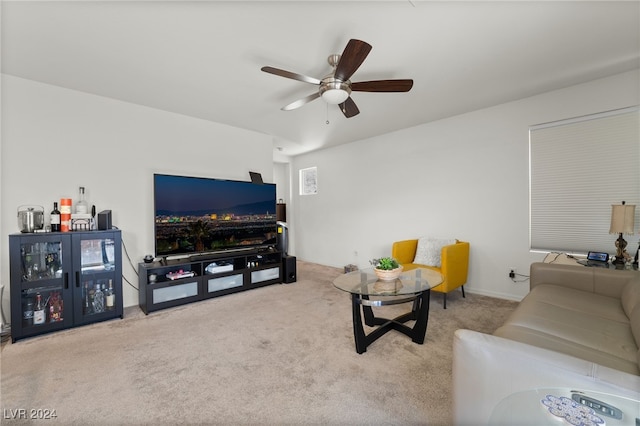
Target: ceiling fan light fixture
x=334, y=92
x=335, y=96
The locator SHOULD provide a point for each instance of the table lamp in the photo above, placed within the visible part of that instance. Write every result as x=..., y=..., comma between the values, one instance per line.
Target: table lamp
x=622, y=222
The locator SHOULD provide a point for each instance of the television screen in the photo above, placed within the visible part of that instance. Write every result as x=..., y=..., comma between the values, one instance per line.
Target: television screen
x=200, y=215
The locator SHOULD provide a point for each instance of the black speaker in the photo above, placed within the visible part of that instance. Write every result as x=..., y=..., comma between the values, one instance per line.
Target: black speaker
x=281, y=212
x=104, y=220
x=289, y=269
x=282, y=239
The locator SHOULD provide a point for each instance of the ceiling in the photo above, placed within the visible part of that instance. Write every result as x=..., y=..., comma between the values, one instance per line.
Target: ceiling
x=203, y=58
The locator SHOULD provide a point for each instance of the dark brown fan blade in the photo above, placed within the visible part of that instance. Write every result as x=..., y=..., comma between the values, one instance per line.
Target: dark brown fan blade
x=382, y=86
x=349, y=108
x=300, y=102
x=292, y=75
x=353, y=56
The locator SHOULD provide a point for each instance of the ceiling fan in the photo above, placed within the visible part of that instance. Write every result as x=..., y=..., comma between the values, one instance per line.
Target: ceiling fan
x=336, y=88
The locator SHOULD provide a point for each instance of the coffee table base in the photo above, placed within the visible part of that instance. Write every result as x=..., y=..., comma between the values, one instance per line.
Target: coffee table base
x=419, y=313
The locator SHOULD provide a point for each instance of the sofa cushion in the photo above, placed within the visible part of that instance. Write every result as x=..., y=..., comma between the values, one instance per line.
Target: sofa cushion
x=631, y=306
x=582, y=324
x=635, y=328
x=576, y=301
x=410, y=266
x=611, y=282
x=429, y=251
x=630, y=297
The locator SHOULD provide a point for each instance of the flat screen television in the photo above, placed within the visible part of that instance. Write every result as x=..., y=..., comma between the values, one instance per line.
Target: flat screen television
x=196, y=215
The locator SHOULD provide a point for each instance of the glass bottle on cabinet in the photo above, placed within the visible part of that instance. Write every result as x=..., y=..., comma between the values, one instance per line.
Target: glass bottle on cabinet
x=66, y=270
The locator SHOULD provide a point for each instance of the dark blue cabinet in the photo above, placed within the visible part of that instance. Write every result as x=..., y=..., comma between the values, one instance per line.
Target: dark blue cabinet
x=64, y=279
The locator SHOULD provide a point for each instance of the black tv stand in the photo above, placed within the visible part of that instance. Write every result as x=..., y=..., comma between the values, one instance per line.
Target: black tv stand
x=214, y=274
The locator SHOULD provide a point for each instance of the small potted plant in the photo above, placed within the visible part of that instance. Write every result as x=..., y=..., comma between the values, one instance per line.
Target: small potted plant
x=386, y=268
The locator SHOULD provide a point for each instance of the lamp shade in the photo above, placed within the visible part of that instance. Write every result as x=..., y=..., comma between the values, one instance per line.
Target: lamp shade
x=335, y=96
x=622, y=219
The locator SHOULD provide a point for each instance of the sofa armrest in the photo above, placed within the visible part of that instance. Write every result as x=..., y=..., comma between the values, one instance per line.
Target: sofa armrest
x=487, y=369
x=607, y=282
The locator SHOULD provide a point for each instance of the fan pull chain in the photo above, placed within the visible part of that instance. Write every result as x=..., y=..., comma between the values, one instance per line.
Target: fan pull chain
x=327, y=105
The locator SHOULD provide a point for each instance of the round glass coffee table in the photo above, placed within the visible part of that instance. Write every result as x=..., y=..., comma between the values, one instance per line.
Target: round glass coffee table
x=367, y=290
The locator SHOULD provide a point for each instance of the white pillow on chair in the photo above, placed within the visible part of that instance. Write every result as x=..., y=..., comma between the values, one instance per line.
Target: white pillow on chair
x=429, y=250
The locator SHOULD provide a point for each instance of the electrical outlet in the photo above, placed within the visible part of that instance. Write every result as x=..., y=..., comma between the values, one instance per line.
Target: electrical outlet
x=511, y=273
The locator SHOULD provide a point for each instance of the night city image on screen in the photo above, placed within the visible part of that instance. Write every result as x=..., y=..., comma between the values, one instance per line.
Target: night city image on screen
x=195, y=215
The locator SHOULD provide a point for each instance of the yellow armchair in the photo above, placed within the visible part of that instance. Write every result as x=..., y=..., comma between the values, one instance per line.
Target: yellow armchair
x=454, y=264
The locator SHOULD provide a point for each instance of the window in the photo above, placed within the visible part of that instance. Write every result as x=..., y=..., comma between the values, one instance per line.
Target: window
x=309, y=181
x=578, y=169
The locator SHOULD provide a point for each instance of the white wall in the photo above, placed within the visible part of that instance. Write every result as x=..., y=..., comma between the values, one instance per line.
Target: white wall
x=464, y=177
x=55, y=140
x=281, y=178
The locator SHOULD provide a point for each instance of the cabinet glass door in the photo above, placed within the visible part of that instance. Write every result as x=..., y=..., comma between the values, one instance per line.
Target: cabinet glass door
x=44, y=289
x=95, y=278
x=97, y=255
x=41, y=260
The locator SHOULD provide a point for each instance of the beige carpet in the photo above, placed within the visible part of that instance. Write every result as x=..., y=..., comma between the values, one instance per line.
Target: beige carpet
x=281, y=354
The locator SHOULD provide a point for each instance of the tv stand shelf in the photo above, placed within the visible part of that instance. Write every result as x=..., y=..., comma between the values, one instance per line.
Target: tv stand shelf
x=175, y=282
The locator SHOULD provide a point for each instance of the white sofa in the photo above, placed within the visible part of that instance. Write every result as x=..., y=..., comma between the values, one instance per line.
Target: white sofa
x=578, y=328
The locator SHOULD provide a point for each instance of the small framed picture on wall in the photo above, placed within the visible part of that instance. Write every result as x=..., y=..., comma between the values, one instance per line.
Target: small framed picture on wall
x=309, y=181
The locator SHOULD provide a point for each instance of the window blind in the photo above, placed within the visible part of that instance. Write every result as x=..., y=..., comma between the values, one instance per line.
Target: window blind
x=578, y=168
